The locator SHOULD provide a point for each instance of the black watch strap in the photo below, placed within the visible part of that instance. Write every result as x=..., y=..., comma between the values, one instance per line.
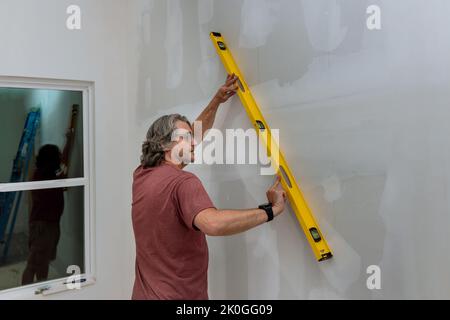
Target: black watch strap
x=267, y=207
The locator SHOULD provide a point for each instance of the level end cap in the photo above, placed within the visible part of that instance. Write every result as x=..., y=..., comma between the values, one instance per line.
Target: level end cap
x=326, y=256
x=216, y=34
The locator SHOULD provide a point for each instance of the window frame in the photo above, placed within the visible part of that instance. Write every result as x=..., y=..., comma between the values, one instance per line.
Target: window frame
x=87, y=182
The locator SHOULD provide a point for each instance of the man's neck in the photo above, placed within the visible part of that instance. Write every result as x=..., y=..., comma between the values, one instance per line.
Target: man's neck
x=177, y=166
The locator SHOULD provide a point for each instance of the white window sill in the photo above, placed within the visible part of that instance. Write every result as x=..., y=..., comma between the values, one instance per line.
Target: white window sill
x=41, y=290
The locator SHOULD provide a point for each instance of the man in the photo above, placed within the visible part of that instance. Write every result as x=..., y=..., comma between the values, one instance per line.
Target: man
x=46, y=211
x=172, y=212
x=47, y=207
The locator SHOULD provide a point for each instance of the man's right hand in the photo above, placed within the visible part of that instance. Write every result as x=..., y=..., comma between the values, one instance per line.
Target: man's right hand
x=277, y=196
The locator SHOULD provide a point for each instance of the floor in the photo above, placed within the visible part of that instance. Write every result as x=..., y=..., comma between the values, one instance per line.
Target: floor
x=11, y=272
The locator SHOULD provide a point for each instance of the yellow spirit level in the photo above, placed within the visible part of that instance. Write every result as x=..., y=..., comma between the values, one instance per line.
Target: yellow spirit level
x=304, y=216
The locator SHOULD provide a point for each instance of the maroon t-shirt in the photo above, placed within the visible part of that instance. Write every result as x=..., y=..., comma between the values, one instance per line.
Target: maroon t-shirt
x=47, y=204
x=171, y=253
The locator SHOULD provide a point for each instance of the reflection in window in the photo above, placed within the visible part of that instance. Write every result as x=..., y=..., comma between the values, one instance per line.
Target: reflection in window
x=32, y=118
x=41, y=224
x=48, y=236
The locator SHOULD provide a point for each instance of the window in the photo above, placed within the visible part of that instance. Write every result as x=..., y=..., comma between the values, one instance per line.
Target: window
x=46, y=185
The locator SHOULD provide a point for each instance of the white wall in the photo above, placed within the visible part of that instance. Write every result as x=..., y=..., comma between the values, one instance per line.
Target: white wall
x=363, y=119
x=39, y=45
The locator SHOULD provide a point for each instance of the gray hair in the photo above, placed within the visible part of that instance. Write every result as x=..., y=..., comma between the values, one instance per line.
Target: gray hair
x=159, y=139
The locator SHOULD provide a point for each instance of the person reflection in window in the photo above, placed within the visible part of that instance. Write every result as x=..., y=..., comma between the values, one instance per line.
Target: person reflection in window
x=46, y=211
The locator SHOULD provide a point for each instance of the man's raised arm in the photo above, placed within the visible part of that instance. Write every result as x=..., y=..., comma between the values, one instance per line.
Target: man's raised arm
x=223, y=94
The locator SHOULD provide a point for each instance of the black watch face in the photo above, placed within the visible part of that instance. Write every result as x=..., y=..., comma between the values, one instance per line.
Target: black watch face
x=265, y=206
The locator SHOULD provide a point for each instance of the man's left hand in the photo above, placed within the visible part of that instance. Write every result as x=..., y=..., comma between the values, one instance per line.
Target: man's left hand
x=228, y=90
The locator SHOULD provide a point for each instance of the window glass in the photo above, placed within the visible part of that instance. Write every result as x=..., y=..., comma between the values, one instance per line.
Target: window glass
x=43, y=236
x=40, y=127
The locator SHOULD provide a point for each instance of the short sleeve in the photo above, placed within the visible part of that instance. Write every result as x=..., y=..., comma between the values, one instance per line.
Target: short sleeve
x=191, y=198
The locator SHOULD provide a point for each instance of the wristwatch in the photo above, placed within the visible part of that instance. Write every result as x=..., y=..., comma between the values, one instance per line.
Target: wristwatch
x=267, y=207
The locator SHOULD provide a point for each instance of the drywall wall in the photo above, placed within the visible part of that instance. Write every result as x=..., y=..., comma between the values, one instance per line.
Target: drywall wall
x=40, y=45
x=363, y=123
